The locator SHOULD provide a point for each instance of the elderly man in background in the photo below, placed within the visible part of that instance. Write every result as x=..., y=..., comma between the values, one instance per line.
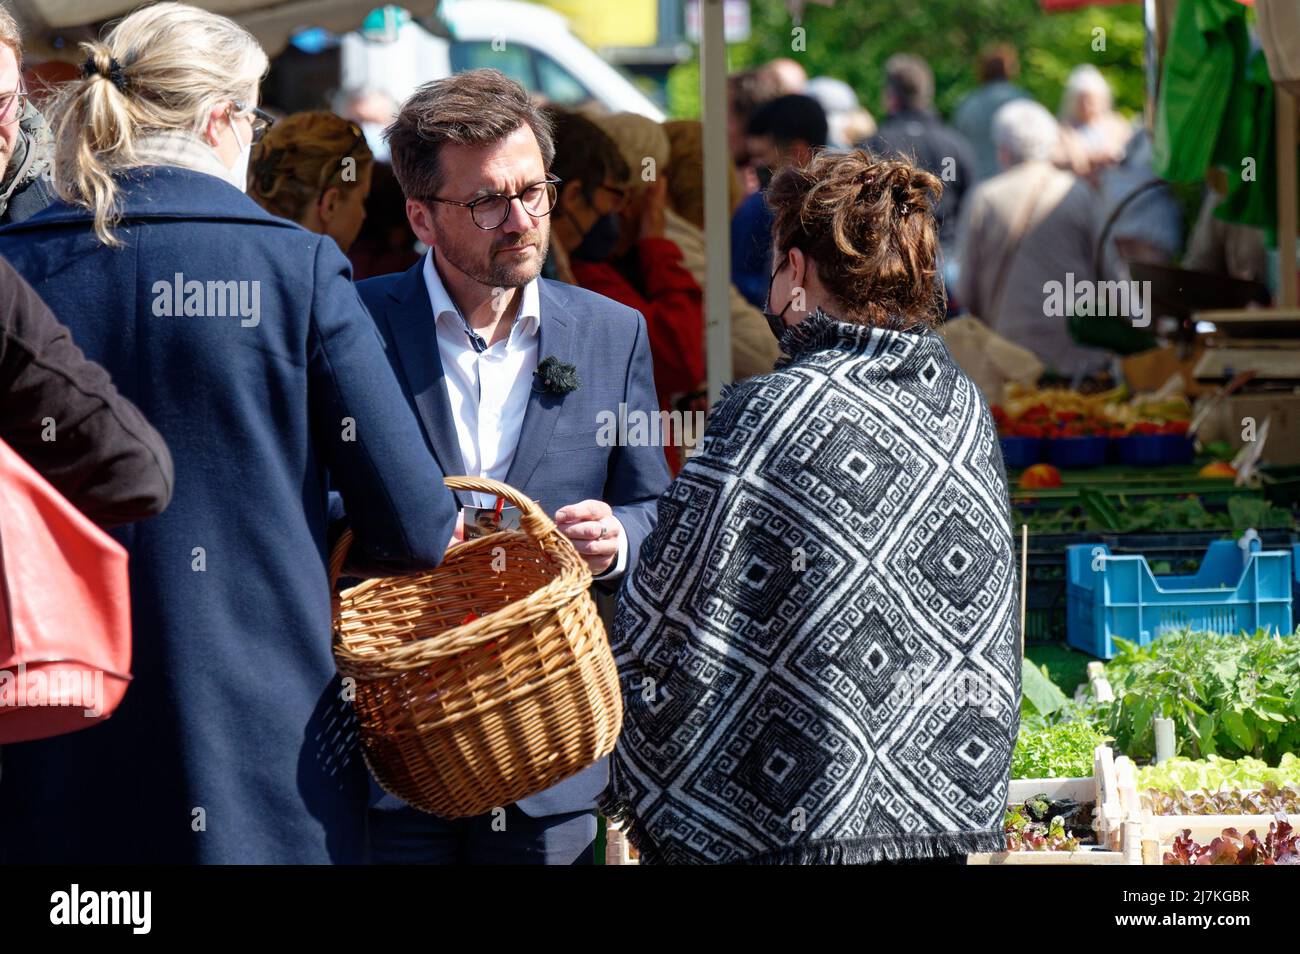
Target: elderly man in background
x=24, y=137
x=1032, y=224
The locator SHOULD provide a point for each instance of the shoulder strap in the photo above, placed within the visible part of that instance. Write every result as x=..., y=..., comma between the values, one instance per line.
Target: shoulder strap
x=1019, y=228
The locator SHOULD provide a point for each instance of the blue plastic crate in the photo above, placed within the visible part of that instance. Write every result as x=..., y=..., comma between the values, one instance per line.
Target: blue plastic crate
x=1077, y=453
x=1111, y=596
x=1155, y=450
x=1021, y=452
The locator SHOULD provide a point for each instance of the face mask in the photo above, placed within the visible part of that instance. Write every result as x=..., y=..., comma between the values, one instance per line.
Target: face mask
x=775, y=323
x=601, y=239
x=239, y=171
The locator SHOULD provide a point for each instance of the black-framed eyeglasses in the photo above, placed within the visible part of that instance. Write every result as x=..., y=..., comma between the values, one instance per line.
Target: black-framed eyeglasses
x=261, y=120
x=490, y=211
x=13, y=105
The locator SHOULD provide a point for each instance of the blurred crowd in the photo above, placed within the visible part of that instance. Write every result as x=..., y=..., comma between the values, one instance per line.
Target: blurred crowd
x=1029, y=197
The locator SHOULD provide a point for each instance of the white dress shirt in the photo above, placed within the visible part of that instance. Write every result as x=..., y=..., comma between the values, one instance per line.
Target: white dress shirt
x=488, y=392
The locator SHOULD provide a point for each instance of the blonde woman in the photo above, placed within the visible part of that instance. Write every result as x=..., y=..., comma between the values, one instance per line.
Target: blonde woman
x=315, y=169
x=241, y=338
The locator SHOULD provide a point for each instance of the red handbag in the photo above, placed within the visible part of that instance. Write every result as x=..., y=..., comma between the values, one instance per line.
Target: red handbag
x=65, y=611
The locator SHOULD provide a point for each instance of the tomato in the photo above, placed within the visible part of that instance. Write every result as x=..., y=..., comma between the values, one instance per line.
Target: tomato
x=1039, y=476
x=1218, y=470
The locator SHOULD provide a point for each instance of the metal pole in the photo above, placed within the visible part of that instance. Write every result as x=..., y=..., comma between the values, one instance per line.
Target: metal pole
x=717, y=211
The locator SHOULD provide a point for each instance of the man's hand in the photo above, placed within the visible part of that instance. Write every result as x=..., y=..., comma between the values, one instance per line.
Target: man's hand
x=594, y=531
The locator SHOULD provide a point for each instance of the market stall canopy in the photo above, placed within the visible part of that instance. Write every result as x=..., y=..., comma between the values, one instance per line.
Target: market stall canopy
x=53, y=28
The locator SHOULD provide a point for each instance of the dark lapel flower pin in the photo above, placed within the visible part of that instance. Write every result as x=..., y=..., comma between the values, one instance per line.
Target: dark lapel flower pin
x=555, y=376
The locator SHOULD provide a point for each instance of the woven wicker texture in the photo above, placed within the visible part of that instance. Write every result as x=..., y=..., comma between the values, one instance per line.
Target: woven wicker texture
x=460, y=715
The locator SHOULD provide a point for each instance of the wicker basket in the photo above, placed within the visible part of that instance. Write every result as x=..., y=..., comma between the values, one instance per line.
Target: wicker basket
x=459, y=714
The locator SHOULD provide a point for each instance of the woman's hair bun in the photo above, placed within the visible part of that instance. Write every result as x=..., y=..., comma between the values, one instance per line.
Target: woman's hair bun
x=868, y=224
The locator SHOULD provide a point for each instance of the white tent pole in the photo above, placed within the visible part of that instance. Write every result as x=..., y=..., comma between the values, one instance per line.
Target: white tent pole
x=717, y=211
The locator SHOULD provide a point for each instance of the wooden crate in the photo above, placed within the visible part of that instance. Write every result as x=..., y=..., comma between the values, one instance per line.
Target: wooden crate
x=1111, y=788
x=1089, y=856
x=1077, y=789
x=1162, y=829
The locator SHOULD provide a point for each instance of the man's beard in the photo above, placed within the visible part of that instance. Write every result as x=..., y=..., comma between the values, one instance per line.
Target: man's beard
x=495, y=271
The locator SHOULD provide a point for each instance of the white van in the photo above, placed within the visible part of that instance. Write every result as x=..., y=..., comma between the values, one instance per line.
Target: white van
x=529, y=43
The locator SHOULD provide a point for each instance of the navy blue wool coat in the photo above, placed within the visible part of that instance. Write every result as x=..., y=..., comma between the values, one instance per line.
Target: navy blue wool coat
x=232, y=744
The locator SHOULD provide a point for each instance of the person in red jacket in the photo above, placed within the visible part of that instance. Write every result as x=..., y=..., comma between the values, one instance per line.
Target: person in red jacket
x=609, y=229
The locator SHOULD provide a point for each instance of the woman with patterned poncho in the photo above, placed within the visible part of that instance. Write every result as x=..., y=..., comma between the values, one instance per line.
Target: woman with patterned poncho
x=819, y=646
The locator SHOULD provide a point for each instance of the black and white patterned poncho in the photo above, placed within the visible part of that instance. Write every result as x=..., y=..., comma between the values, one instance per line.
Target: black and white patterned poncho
x=819, y=645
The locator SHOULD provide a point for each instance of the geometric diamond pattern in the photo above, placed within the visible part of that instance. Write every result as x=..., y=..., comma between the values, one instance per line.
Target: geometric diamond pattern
x=834, y=558
x=758, y=573
x=956, y=564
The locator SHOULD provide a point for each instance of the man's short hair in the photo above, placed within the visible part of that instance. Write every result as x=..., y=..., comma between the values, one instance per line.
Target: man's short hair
x=473, y=108
x=911, y=81
x=10, y=35
x=790, y=118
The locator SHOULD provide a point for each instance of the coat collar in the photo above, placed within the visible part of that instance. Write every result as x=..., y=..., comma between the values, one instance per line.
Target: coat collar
x=166, y=192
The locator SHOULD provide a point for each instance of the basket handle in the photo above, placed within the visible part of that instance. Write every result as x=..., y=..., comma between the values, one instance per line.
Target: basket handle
x=533, y=520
